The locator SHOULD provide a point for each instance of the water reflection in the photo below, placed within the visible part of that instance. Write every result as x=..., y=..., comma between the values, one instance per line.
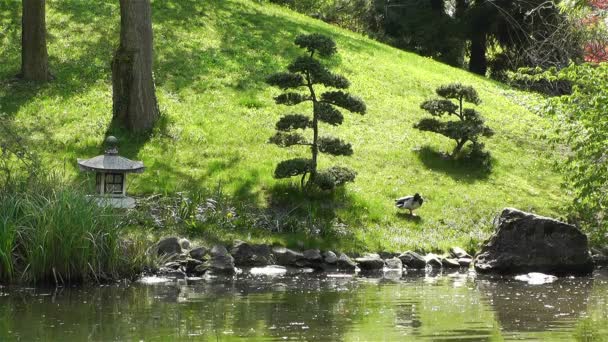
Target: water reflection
x=313, y=307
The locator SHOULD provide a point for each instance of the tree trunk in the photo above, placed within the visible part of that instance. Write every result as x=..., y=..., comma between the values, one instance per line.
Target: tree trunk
x=478, y=63
x=134, y=98
x=459, y=145
x=34, y=56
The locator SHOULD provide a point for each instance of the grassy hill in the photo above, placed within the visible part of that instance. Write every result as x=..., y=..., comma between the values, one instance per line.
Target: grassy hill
x=211, y=58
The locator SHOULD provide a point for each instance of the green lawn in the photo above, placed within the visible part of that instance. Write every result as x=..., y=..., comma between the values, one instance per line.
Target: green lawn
x=211, y=58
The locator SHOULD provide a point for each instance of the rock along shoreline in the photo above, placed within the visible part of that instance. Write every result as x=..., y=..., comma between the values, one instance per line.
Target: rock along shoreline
x=522, y=243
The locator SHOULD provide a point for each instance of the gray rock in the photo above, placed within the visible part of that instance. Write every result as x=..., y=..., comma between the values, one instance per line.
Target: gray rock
x=184, y=243
x=449, y=263
x=190, y=264
x=457, y=253
x=370, y=262
x=252, y=255
x=287, y=257
x=433, y=260
x=525, y=242
x=169, y=245
x=413, y=260
x=465, y=262
x=313, y=255
x=330, y=257
x=345, y=263
x=387, y=255
x=394, y=264
x=220, y=263
x=199, y=253
x=218, y=250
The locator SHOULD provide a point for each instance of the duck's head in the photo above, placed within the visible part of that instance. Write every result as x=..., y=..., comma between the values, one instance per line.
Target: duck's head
x=418, y=198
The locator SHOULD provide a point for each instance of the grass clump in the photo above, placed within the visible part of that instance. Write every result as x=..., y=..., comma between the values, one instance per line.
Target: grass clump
x=55, y=234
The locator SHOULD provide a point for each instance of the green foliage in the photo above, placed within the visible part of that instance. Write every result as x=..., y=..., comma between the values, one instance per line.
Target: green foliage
x=291, y=99
x=288, y=139
x=328, y=114
x=285, y=80
x=292, y=167
x=334, y=146
x=334, y=176
x=469, y=127
x=344, y=100
x=582, y=124
x=53, y=233
x=317, y=42
x=290, y=122
x=307, y=71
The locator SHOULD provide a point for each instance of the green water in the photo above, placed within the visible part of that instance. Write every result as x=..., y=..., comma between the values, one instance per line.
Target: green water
x=456, y=306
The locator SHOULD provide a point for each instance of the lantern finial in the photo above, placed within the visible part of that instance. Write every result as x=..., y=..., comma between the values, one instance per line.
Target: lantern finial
x=111, y=145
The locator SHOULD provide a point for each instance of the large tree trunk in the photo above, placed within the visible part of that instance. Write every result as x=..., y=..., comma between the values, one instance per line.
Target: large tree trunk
x=34, y=56
x=134, y=98
x=478, y=62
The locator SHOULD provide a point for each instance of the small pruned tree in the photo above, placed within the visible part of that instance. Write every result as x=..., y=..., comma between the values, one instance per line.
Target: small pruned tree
x=470, y=126
x=299, y=83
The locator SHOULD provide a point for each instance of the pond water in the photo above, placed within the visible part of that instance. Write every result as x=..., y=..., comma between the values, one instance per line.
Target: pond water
x=313, y=307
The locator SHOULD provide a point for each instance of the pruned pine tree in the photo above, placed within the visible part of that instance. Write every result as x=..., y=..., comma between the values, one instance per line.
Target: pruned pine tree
x=470, y=126
x=299, y=84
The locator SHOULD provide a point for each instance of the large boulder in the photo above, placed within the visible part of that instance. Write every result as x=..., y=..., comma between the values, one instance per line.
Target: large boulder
x=252, y=255
x=413, y=260
x=525, y=242
x=168, y=246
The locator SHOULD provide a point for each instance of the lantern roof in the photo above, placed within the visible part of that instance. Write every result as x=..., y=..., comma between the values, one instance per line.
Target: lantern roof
x=111, y=161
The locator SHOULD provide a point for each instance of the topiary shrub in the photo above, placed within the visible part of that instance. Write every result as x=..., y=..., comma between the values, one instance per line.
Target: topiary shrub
x=299, y=83
x=470, y=126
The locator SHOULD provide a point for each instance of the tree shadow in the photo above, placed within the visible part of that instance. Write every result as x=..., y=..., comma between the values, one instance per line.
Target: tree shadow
x=75, y=69
x=318, y=210
x=247, y=39
x=463, y=169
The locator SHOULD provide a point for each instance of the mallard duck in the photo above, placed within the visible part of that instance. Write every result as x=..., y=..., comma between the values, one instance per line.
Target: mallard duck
x=409, y=202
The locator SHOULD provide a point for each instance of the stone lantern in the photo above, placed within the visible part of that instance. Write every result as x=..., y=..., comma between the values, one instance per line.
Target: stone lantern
x=111, y=175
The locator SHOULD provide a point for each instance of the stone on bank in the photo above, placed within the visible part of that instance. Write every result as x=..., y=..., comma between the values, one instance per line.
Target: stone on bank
x=525, y=242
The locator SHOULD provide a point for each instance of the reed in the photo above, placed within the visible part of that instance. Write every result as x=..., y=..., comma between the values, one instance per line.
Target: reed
x=58, y=235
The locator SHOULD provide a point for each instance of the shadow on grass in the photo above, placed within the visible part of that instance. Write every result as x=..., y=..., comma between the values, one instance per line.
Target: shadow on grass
x=247, y=44
x=411, y=218
x=79, y=66
x=463, y=169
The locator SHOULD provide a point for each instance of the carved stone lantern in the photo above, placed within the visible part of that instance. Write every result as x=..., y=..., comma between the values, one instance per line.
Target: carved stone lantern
x=111, y=175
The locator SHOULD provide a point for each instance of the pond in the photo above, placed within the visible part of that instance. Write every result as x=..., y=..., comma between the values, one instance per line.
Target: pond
x=319, y=307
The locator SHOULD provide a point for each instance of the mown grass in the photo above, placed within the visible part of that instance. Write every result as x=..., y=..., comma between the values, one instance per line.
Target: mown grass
x=211, y=59
x=55, y=234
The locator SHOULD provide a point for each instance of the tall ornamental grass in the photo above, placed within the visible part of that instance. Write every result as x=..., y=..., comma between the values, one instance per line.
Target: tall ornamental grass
x=58, y=235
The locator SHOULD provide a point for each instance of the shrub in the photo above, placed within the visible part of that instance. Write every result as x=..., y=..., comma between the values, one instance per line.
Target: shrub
x=470, y=125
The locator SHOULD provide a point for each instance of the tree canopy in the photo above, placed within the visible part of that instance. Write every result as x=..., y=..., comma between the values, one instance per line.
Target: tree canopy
x=299, y=83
